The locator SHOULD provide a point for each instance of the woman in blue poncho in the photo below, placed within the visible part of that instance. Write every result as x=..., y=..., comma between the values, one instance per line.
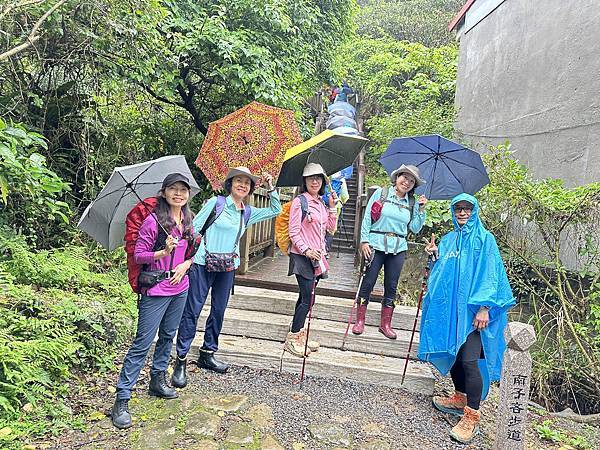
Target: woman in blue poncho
x=464, y=314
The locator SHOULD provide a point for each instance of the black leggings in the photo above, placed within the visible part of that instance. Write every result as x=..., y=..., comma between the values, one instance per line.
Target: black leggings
x=392, y=266
x=305, y=287
x=465, y=371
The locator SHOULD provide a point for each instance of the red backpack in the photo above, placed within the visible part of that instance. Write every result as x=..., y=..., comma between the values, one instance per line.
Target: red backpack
x=133, y=223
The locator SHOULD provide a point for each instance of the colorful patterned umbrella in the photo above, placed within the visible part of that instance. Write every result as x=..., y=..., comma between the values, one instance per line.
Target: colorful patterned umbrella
x=255, y=136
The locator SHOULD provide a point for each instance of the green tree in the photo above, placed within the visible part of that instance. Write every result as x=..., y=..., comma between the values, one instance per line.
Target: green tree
x=407, y=90
x=424, y=21
x=211, y=57
x=29, y=191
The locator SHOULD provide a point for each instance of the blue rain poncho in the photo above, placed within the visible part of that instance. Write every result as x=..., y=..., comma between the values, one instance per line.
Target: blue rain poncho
x=468, y=274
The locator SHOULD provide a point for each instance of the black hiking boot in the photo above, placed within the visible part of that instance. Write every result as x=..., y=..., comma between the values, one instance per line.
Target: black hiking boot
x=119, y=414
x=207, y=360
x=179, y=378
x=159, y=387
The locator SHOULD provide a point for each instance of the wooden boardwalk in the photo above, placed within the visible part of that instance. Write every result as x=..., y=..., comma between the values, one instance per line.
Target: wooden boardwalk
x=271, y=273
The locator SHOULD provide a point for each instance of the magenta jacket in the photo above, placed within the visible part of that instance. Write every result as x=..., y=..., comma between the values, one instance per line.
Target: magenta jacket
x=143, y=254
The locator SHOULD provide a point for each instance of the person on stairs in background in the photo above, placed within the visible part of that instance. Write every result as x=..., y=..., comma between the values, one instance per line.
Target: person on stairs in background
x=307, y=253
x=383, y=241
x=464, y=314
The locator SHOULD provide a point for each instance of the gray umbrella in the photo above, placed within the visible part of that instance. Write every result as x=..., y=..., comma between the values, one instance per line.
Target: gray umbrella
x=104, y=218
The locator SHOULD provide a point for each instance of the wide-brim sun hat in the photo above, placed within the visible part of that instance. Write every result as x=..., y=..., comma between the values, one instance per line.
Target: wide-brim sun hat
x=408, y=168
x=241, y=170
x=313, y=169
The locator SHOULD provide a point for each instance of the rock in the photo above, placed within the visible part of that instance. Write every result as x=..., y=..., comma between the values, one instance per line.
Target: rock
x=161, y=434
x=341, y=419
x=261, y=416
x=227, y=403
x=240, y=433
x=373, y=429
x=330, y=434
x=270, y=443
x=298, y=446
x=376, y=444
x=191, y=401
x=202, y=424
x=205, y=444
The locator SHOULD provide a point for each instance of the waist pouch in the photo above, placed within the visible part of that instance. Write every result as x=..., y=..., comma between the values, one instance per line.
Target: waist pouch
x=150, y=278
x=220, y=262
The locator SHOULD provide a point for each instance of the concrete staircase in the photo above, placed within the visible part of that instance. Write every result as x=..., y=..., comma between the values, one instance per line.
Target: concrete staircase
x=257, y=321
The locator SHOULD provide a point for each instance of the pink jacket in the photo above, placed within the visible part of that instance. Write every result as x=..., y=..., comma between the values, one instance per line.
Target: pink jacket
x=310, y=232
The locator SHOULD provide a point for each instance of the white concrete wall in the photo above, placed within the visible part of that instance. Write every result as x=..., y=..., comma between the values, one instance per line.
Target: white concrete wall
x=529, y=72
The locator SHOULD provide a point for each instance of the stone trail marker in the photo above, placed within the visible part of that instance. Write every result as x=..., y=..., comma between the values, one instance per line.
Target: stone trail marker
x=514, y=387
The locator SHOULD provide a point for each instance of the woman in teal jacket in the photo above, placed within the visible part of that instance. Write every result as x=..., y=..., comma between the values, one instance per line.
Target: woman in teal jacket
x=465, y=313
x=383, y=242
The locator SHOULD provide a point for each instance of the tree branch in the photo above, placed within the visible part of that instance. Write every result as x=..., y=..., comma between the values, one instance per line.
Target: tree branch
x=33, y=35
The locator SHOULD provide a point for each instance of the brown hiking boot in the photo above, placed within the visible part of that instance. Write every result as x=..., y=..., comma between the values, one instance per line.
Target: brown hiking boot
x=295, y=344
x=455, y=404
x=468, y=427
x=312, y=345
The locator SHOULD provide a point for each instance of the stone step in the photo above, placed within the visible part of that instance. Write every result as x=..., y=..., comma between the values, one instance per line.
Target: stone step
x=274, y=327
x=327, y=362
x=327, y=308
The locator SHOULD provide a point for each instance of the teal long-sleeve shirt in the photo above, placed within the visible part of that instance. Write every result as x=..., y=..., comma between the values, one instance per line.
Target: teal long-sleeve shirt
x=394, y=219
x=220, y=236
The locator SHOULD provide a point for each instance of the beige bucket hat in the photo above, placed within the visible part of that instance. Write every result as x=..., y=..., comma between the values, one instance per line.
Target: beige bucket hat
x=241, y=170
x=409, y=168
x=313, y=169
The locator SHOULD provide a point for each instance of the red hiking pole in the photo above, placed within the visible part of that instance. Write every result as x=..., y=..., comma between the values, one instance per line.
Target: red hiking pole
x=412, y=336
x=312, y=302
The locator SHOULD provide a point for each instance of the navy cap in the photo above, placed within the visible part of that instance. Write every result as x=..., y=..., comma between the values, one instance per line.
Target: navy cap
x=173, y=178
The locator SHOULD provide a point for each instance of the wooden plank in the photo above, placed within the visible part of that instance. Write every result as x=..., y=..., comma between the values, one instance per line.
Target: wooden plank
x=363, y=368
x=274, y=327
x=328, y=308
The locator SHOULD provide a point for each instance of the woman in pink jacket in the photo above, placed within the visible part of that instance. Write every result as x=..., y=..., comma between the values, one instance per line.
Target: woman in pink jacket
x=309, y=221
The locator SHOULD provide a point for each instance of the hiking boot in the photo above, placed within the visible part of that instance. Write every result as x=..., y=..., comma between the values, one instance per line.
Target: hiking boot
x=179, y=378
x=468, y=427
x=207, y=360
x=119, y=414
x=312, y=345
x=455, y=404
x=294, y=344
x=359, y=325
x=158, y=386
x=385, y=327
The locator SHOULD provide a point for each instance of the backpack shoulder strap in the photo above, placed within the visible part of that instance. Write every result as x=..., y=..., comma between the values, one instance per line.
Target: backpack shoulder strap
x=411, y=206
x=214, y=214
x=384, y=194
x=303, y=206
x=247, y=214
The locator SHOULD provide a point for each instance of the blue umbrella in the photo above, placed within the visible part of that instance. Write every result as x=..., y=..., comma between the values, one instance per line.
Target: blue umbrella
x=449, y=168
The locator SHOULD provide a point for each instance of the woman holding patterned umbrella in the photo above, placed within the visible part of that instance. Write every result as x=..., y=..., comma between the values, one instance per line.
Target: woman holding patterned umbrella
x=222, y=221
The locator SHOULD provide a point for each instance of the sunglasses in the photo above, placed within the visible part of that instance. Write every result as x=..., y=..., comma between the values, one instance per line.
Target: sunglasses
x=467, y=209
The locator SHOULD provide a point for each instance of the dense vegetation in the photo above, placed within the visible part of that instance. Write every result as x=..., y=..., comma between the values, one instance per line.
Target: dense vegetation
x=87, y=86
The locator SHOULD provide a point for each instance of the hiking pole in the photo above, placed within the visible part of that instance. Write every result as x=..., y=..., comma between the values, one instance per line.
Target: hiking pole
x=312, y=302
x=363, y=270
x=412, y=336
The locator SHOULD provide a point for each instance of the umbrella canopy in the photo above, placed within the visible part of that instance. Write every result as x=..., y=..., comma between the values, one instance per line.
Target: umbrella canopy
x=334, y=151
x=255, y=136
x=449, y=168
x=104, y=218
